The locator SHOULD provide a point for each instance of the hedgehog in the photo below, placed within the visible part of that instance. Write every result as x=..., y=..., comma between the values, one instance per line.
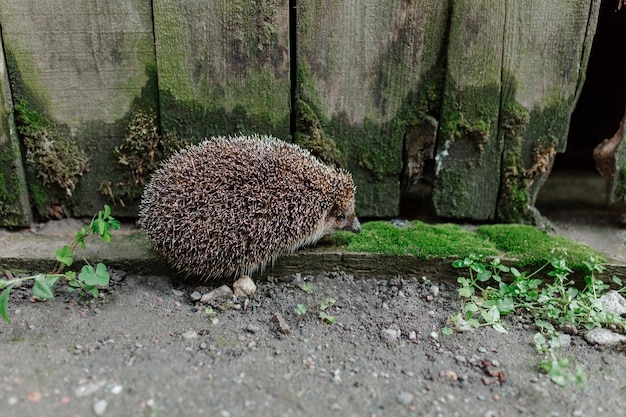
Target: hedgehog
x=229, y=206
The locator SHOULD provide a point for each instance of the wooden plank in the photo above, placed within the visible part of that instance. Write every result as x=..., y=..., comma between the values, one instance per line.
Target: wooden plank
x=223, y=67
x=546, y=51
x=467, y=161
x=76, y=68
x=14, y=204
x=361, y=69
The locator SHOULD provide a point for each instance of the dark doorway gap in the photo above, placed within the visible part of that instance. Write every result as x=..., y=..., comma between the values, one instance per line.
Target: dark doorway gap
x=602, y=101
x=575, y=183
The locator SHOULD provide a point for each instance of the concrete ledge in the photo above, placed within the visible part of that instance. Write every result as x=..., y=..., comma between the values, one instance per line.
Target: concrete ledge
x=34, y=251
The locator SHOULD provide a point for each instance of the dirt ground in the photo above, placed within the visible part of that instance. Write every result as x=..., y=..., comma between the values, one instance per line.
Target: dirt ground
x=147, y=348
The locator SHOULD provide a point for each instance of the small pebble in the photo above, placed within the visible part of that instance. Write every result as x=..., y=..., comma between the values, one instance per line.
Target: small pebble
x=195, y=296
x=283, y=327
x=601, y=336
x=116, y=390
x=217, y=296
x=449, y=375
x=191, y=334
x=244, y=287
x=434, y=290
x=405, y=398
x=177, y=293
x=99, y=407
x=251, y=328
x=434, y=335
x=13, y=400
x=577, y=413
x=565, y=340
x=391, y=334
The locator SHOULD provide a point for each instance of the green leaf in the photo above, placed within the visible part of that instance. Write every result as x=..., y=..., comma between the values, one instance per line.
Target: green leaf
x=4, y=303
x=447, y=331
x=42, y=288
x=327, y=303
x=300, y=310
x=92, y=290
x=466, y=291
x=327, y=318
x=64, y=255
x=505, y=305
x=115, y=224
x=307, y=288
x=459, y=263
x=107, y=211
x=82, y=233
x=499, y=328
x=484, y=276
x=94, y=277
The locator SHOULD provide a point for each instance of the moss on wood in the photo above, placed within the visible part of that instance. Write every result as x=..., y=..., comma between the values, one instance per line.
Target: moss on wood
x=526, y=245
x=56, y=160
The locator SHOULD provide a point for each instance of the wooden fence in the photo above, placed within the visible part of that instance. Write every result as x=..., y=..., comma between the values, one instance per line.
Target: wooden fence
x=96, y=92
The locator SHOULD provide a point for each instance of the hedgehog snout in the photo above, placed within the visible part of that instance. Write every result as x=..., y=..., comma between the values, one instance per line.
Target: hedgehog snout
x=355, y=226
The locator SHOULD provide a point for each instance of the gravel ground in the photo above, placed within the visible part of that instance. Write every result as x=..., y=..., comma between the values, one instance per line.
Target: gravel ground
x=146, y=348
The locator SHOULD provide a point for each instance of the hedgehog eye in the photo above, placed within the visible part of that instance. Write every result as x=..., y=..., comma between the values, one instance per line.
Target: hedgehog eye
x=341, y=216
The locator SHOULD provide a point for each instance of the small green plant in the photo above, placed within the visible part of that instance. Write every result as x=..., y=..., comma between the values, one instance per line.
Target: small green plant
x=324, y=305
x=551, y=304
x=87, y=281
x=307, y=288
x=301, y=310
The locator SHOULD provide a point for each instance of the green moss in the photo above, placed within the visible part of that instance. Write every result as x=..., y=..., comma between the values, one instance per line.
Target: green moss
x=471, y=114
x=56, y=160
x=514, y=198
x=531, y=142
x=12, y=201
x=422, y=240
x=142, y=148
x=310, y=135
x=533, y=247
x=528, y=245
x=39, y=197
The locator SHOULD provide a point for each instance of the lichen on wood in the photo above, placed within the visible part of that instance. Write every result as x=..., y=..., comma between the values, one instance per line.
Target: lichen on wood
x=56, y=159
x=139, y=154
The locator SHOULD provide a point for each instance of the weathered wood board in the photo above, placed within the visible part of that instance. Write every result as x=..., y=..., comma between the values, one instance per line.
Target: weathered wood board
x=467, y=160
x=546, y=50
x=223, y=67
x=14, y=204
x=361, y=72
x=76, y=68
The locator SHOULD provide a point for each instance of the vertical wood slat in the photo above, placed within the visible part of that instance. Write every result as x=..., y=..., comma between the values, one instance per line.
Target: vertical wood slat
x=79, y=64
x=467, y=160
x=360, y=67
x=223, y=67
x=546, y=51
x=14, y=204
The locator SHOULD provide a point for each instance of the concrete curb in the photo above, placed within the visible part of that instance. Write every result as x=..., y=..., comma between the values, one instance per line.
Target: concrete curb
x=34, y=251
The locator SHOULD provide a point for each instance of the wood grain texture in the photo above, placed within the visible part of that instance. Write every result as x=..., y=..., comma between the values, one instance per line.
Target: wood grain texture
x=546, y=49
x=14, y=203
x=360, y=70
x=467, y=173
x=81, y=64
x=223, y=67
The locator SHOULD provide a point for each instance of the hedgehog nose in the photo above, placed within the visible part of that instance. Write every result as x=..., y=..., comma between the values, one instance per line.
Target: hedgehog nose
x=355, y=226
